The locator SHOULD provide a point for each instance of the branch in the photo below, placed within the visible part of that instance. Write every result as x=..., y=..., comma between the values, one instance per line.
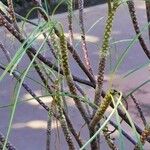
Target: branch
x=8, y=145
x=136, y=27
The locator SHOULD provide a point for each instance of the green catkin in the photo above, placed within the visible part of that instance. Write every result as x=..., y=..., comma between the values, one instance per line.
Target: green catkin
x=55, y=44
x=104, y=52
x=58, y=101
x=143, y=136
x=101, y=110
x=68, y=76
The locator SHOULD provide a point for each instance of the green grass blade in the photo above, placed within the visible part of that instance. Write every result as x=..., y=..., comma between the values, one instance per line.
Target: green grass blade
x=17, y=94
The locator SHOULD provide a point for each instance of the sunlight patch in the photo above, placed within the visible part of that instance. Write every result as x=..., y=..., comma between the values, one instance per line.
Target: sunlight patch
x=89, y=38
x=46, y=99
x=35, y=124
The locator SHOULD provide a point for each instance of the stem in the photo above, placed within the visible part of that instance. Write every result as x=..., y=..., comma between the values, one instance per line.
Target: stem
x=71, y=49
x=136, y=27
x=48, y=132
x=147, y=3
x=143, y=136
x=83, y=38
x=139, y=109
x=70, y=13
x=8, y=145
x=31, y=50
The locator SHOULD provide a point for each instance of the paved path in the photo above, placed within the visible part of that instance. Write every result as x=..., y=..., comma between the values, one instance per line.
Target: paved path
x=28, y=130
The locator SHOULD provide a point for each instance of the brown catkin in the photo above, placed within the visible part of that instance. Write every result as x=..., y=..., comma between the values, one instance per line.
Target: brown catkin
x=11, y=10
x=83, y=37
x=132, y=11
x=143, y=136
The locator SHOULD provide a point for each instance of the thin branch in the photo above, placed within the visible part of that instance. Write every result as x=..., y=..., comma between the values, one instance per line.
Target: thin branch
x=83, y=37
x=6, y=52
x=122, y=115
x=124, y=133
x=48, y=131
x=145, y=134
x=32, y=50
x=12, y=13
x=139, y=109
x=78, y=139
x=8, y=145
x=70, y=23
x=136, y=27
x=71, y=49
x=147, y=3
x=108, y=139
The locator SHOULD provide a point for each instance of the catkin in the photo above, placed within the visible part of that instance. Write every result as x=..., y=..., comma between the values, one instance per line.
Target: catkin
x=68, y=76
x=11, y=10
x=101, y=110
x=104, y=52
x=143, y=136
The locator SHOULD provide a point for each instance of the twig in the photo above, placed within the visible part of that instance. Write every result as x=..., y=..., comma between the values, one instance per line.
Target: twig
x=71, y=49
x=108, y=139
x=8, y=145
x=6, y=52
x=139, y=109
x=78, y=139
x=12, y=13
x=83, y=37
x=70, y=23
x=147, y=3
x=48, y=131
x=136, y=27
x=57, y=99
x=26, y=87
x=83, y=94
x=143, y=137
x=124, y=133
x=11, y=10
x=31, y=50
